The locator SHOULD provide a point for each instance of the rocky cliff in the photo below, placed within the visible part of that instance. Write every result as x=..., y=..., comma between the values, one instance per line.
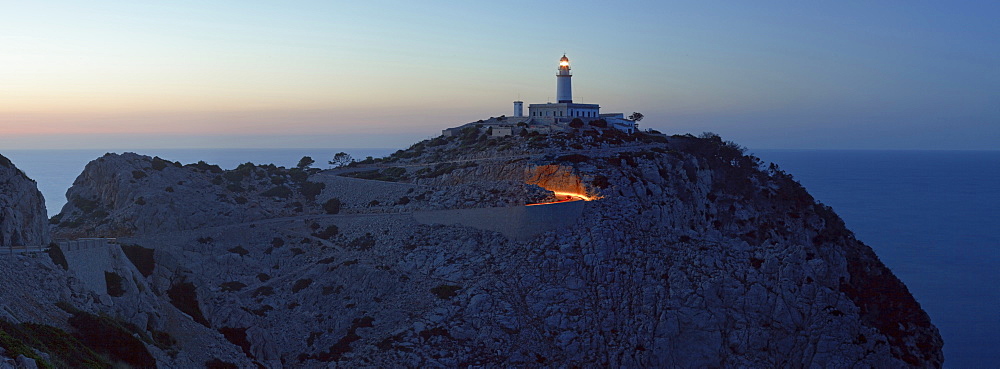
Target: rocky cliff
x=23, y=221
x=692, y=254
x=86, y=304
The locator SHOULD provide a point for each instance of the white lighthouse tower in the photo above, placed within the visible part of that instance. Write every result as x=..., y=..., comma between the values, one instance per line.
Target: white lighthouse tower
x=564, y=88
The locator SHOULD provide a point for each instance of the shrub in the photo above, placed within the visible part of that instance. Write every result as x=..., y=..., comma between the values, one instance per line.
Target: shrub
x=576, y=123
x=445, y=291
x=301, y=284
x=239, y=250
x=57, y=256
x=403, y=200
x=311, y=189
x=105, y=335
x=362, y=243
x=305, y=162
x=328, y=233
x=140, y=201
x=232, y=286
x=332, y=206
x=158, y=164
x=599, y=123
x=263, y=291
x=203, y=166
x=573, y=158
x=600, y=181
x=138, y=174
x=277, y=242
x=219, y=364
x=278, y=191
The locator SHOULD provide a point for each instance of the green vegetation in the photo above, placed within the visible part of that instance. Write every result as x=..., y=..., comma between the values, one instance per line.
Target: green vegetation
x=332, y=206
x=311, y=189
x=57, y=256
x=394, y=174
x=160, y=164
x=232, y=286
x=239, y=250
x=278, y=191
x=205, y=167
x=344, y=344
x=362, y=243
x=445, y=291
x=114, y=338
x=573, y=158
x=341, y=159
x=305, y=162
x=219, y=364
x=263, y=291
x=600, y=181
x=301, y=284
x=65, y=350
x=328, y=233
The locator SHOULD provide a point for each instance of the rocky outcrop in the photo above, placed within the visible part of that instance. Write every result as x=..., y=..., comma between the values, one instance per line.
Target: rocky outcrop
x=693, y=255
x=23, y=221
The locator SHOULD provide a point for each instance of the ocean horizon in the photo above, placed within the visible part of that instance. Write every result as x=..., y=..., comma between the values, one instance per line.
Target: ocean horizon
x=931, y=216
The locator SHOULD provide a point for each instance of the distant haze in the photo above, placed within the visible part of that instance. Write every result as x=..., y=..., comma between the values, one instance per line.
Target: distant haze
x=771, y=74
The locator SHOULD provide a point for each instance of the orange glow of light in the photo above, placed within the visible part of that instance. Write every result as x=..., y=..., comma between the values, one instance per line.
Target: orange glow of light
x=564, y=63
x=569, y=196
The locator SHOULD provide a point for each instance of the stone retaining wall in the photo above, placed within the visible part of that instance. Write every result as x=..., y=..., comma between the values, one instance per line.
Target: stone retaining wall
x=519, y=223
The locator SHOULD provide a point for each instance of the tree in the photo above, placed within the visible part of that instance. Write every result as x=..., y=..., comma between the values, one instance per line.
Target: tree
x=305, y=162
x=576, y=123
x=636, y=116
x=599, y=123
x=341, y=159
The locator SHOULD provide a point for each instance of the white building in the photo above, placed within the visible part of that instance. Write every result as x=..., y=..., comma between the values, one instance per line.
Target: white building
x=565, y=110
x=551, y=117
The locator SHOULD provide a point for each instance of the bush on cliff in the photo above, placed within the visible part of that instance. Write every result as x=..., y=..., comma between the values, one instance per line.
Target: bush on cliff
x=332, y=206
x=58, y=258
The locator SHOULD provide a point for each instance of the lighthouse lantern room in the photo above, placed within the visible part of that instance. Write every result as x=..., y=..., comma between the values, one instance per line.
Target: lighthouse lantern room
x=564, y=86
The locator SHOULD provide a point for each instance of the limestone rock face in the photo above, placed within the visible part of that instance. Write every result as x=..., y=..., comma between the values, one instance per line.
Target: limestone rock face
x=693, y=255
x=124, y=194
x=23, y=220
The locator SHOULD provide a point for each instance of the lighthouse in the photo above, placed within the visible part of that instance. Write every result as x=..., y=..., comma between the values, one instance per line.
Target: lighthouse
x=564, y=88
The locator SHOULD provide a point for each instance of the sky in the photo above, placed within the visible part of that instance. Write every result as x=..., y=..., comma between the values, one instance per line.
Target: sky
x=766, y=74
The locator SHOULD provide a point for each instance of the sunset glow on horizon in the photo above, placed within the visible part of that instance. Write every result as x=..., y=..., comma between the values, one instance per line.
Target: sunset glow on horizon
x=822, y=75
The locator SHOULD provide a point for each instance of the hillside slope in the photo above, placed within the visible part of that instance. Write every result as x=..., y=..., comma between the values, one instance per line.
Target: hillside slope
x=692, y=254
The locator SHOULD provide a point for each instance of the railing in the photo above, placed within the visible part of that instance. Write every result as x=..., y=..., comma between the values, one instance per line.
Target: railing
x=84, y=243
x=23, y=249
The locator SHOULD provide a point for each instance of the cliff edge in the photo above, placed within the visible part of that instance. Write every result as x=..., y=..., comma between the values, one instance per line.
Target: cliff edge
x=23, y=221
x=689, y=253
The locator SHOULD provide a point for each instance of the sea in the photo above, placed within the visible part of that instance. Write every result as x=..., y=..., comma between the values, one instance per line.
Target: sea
x=933, y=217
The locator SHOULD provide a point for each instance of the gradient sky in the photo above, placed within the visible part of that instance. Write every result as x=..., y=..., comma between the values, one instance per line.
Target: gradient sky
x=767, y=74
